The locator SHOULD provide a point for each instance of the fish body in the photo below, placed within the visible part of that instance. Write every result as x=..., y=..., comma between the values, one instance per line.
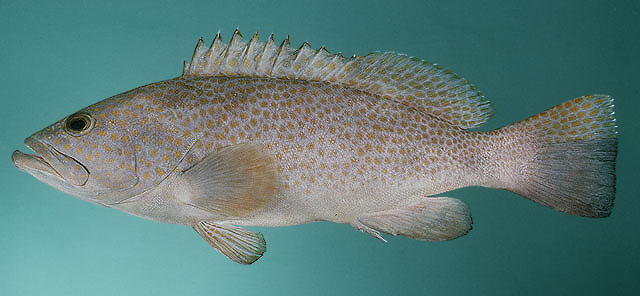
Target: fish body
x=253, y=134
x=334, y=148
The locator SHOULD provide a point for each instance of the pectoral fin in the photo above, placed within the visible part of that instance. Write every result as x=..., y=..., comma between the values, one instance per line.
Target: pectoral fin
x=234, y=181
x=433, y=219
x=237, y=243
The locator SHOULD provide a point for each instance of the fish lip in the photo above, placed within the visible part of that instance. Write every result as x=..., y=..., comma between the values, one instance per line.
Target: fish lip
x=44, y=161
x=25, y=161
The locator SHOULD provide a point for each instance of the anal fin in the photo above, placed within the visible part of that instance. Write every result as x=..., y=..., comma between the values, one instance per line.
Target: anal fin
x=238, y=244
x=432, y=219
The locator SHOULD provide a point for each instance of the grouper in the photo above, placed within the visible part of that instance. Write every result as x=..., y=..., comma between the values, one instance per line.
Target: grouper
x=256, y=134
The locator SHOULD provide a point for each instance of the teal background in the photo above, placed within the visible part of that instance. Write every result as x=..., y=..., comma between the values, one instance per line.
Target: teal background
x=525, y=56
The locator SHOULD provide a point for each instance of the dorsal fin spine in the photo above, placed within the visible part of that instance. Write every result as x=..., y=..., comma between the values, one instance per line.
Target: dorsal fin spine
x=318, y=62
x=196, y=57
x=217, y=48
x=248, y=62
x=209, y=57
x=216, y=43
x=267, y=60
x=233, y=54
x=185, y=67
x=301, y=63
x=297, y=60
x=236, y=33
x=428, y=87
x=281, y=56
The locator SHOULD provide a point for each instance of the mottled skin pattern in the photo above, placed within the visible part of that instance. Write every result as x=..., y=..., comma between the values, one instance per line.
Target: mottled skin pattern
x=335, y=147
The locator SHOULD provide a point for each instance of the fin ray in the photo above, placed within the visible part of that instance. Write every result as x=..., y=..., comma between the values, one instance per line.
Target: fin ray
x=234, y=181
x=572, y=159
x=238, y=244
x=432, y=219
x=425, y=86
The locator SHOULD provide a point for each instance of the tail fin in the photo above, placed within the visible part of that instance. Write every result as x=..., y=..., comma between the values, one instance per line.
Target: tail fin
x=570, y=156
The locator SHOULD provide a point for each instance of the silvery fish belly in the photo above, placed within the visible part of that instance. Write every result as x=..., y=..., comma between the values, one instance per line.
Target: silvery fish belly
x=254, y=134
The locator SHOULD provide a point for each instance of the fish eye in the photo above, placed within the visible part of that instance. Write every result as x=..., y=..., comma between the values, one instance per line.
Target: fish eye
x=78, y=124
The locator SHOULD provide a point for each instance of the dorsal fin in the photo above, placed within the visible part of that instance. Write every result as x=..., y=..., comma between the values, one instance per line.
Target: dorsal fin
x=416, y=83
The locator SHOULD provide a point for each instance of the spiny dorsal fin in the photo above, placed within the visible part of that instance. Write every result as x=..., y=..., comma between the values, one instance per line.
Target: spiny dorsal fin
x=425, y=86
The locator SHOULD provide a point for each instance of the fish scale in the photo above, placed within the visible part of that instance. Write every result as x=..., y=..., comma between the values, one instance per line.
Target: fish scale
x=255, y=134
x=315, y=148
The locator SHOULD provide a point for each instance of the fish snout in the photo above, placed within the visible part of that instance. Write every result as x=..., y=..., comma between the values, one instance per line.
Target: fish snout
x=50, y=161
x=18, y=159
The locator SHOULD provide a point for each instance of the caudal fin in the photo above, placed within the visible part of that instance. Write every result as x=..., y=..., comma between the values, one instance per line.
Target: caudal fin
x=568, y=156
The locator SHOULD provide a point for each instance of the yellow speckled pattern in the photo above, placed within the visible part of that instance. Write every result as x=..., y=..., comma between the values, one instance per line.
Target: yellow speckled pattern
x=428, y=87
x=583, y=118
x=255, y=134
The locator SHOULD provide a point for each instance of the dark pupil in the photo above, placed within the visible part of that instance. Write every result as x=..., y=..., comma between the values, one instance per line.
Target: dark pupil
x=77, y=124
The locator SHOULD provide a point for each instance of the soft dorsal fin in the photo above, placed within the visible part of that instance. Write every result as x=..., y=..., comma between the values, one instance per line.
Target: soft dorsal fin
x=425, y=86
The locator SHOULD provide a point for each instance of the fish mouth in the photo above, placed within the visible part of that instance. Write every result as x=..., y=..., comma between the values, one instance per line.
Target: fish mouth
x=26, y=162
x=48, y=162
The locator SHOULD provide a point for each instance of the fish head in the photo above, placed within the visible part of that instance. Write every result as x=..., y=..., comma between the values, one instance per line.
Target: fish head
x=87, y=154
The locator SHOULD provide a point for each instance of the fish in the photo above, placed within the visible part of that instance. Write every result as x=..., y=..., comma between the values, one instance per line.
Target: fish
x=256, y=134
